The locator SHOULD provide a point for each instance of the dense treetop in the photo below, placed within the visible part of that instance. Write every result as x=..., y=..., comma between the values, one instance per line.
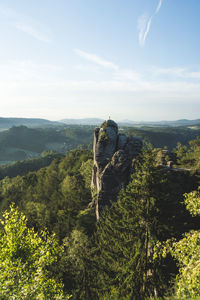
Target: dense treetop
x=112, y=259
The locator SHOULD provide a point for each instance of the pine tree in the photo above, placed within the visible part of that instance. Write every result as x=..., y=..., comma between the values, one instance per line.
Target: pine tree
x=187, y=252
x=128, y=232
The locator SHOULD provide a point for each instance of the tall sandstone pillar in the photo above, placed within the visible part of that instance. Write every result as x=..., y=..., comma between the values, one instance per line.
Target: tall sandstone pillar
x=113, y=163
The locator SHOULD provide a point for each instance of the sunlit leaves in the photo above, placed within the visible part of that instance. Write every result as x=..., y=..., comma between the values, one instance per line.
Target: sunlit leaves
x=187, y=253
x=25, y=257
x=192, y=201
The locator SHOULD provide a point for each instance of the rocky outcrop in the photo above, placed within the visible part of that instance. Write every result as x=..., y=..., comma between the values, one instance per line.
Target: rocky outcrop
x=113, y=163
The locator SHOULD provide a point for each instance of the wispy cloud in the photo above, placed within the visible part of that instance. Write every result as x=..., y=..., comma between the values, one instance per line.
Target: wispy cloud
x=22, y=80
x=177, y=82
x=127, y=75
x=158, y=7
x=176, y=73
x=173, y=72
x=119, y=73
x=144, y=24
x=125, y=92
x=96, y=59
x=26, y=24
x=30, y=30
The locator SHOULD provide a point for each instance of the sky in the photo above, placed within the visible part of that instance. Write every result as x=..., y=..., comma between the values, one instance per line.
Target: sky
x=128, y=59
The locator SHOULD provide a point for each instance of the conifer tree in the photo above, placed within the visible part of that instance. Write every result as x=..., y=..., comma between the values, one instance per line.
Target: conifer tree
x=187, y=252
x=127, y=233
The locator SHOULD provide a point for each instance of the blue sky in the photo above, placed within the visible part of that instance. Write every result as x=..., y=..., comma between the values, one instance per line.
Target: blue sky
x=127, y=59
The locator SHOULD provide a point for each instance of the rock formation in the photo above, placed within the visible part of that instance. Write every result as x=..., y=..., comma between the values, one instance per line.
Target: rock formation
x=113, y=163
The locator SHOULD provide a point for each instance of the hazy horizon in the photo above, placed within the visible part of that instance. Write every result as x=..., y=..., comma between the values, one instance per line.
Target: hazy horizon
x=136, y=60
x=98, y=118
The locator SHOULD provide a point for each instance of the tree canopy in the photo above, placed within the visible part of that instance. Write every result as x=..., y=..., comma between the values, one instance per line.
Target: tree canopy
x=25, y=257
x=187, y=252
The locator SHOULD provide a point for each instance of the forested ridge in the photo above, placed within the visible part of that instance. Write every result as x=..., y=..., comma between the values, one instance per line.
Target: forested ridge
x=145, y=245
x=21, y=142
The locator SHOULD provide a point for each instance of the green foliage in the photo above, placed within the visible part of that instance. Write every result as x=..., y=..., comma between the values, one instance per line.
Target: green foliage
x=187, y=252
x=86, y=220
x=147, y=211
x=78, y=260
x=104, y=135
x=103, y=131
x=30, y=165
x=48, y=153
x=104, y=125
x=119, y=264
x=19, y=143
x=56, y=198
x=126, y=235
x=51, y=197
x=74, y=159
x=163, y=136
x=114, y=294
x=79, y=135
x=192, y=202
x=25, y=257
x=189, y=156
x=195, y=144
x=86, y=172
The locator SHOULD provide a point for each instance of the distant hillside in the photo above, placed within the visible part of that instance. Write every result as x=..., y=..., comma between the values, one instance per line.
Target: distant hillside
x=29, y=165
x=21, y=142
x=86, y=121
x=182, y=122
x=164, y=136
x=6, y=123
x=97, y=121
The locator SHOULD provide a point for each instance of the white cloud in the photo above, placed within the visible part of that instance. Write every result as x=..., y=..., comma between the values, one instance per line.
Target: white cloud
x=96, y=59
x=158, y=7
x=194, y=75
x=144, y=24
x=176, y=72
x=48, y=76
x=176, y=81
x=29, y=88
x=127, y=75
x=30, y=30
x=117, y=73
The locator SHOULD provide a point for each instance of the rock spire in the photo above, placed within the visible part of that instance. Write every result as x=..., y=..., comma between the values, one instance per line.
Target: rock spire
x=113, y=163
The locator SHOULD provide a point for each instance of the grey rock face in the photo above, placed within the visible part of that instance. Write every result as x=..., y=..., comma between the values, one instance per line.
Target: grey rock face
x=113, y=163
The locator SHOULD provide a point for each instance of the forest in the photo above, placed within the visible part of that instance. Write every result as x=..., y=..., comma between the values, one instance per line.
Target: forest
x=146, y=245
x=18, y=143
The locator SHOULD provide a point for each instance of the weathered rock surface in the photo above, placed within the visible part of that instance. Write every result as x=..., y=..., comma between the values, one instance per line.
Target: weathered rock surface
x=113, y=163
